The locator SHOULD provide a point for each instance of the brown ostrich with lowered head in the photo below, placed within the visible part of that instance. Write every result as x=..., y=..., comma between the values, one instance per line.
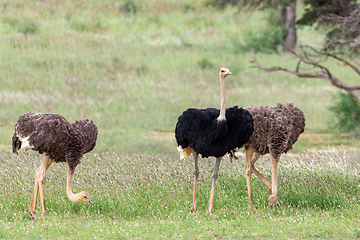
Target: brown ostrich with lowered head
x=276, y=129
x=57, y=141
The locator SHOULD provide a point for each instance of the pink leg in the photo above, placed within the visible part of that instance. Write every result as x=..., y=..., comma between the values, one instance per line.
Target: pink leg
x=196, y=173
x=214, y=177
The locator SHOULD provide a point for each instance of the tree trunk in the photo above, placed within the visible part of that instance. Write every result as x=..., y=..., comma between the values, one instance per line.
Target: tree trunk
x=287, y=21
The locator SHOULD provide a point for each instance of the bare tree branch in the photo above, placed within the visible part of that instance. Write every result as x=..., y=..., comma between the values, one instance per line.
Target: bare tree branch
x=325, y=73
x=341, y=48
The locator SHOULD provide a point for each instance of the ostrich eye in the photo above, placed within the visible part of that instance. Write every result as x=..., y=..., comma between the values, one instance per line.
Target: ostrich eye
x=85, y=197
x=222, y=70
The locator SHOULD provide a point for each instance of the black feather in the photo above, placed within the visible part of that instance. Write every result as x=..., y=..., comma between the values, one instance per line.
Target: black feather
x=201, y=130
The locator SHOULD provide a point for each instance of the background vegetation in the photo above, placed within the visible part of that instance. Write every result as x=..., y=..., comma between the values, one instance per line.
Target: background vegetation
x=133, y=67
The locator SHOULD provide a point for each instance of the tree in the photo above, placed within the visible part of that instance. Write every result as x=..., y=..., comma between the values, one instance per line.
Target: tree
x=287, y=22
x=314, y=58
x=342, y=45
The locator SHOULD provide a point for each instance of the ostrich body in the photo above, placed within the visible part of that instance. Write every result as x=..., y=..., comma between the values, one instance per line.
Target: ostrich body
x=57, y=141
x=211, y=132
x=276, y=129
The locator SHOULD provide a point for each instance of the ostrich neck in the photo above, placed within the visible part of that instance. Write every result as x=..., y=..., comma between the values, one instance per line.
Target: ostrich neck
x=223, y=99
x=73, y=197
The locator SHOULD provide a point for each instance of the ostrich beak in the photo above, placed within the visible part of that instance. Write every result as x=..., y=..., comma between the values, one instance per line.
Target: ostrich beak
x=229, y=73
x=90, y=202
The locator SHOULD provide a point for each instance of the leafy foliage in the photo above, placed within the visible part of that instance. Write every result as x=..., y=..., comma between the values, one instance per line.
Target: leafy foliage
x=340, y=18
x=315, y=10
x=251, y=4
x=266, y=41
x=347, y=112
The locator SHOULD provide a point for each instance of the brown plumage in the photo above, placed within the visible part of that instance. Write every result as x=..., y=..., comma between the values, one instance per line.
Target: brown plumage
x=57, y=141
x=276, y=129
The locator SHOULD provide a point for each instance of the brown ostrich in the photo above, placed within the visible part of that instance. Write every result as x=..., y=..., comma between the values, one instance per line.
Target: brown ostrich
x=57, y=141
x=211, y=132
x=276, y=129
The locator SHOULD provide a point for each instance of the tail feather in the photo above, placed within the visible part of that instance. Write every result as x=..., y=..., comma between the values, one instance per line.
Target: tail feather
x=16, y=144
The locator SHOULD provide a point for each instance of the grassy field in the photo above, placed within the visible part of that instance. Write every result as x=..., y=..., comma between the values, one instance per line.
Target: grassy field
x=133, y=67
x=148, y=196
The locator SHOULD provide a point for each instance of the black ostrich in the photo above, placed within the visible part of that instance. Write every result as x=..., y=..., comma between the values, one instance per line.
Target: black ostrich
x=211, y=132
x=276, y=129
x=57, y=141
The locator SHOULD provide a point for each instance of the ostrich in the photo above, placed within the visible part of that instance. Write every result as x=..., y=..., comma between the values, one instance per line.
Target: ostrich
x=211, y=132
x=276, y=129
x=57, y=141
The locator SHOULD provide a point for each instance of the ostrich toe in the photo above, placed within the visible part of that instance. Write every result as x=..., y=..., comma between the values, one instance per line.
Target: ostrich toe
x=272, y=199
x=252, y=207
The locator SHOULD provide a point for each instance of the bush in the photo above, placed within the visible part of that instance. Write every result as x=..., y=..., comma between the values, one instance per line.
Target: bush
x=87, y=26
x=29, y=27
x=347, y=113
x=266, y=40
x=26, y=26
x=129, y=7
x=205, y=64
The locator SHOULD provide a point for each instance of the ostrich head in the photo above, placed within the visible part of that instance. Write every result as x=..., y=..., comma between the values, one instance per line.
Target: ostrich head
x=224, y=72
x=83, y=196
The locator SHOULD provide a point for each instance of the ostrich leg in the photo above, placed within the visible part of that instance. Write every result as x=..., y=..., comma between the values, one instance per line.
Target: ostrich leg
x=196, y=173
x=273, y=197
x=249, y=155
x=32, y=208
x=257, y=173
x=40, y=185
x=214, y=177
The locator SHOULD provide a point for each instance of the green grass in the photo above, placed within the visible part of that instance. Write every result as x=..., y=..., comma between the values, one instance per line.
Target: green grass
x=149, y=196
x=133, y=72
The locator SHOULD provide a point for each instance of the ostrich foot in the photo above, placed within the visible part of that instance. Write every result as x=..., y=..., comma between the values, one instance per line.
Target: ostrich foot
x=252, y=206
x=193, y=209
x=33, y=214
x=272, y=199
x=211, y=212
x=43, y=215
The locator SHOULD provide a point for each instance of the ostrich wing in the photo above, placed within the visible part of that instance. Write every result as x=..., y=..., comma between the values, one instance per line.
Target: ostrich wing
x=49, y=133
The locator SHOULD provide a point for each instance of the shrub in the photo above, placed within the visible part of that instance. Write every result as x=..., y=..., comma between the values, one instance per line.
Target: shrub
x=129, y=7
x=265, y=41
x=29, y=27
x=347, y=113
x=205, y=64
x=25, y=26
x=87, y=25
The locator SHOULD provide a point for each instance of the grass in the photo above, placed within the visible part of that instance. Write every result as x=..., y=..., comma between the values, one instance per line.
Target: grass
x=144, y=196
x=134, y=67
